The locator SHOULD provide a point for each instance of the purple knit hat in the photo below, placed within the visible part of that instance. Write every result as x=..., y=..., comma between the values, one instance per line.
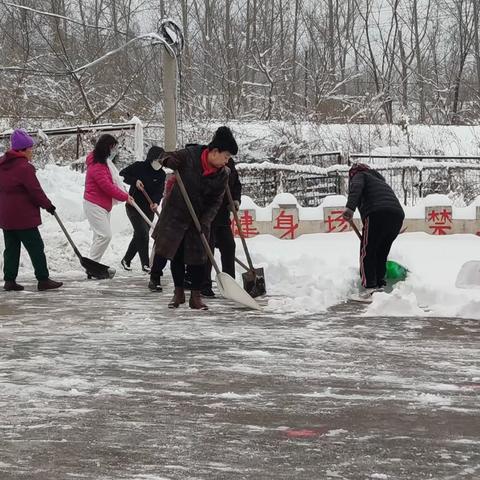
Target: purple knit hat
x=20, y=140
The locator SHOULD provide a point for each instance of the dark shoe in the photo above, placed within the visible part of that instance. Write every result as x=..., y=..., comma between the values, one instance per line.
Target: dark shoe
x=178, y=298
x=207, y=292
x=125, y=264
x=12, y=286
x=146, y=268
x=196, y=301
x=154, y=284
x=48, y=284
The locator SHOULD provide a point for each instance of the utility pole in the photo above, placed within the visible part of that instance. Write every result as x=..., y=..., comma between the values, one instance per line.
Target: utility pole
x=170, y=100
x=173, y=49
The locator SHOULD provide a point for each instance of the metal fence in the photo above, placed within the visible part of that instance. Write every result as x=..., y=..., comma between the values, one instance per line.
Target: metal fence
x=410, y=177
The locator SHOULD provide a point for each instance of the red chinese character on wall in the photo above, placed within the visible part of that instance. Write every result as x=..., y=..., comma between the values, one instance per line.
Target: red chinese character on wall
x=440, y=220
x=246, y=222
x=285, y=222
x=336, y=222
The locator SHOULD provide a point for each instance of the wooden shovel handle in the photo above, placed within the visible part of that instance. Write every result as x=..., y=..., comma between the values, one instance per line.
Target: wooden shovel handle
x=239, y=228
x=149, y=200
x=355, y=229
x=194, y=216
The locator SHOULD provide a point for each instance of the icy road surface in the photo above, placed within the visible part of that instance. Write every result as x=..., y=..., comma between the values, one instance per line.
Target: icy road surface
x=101, y=381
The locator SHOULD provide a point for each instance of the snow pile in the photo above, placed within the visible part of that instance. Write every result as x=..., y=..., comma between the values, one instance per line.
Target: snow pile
x=304, y=276
x=314, y=272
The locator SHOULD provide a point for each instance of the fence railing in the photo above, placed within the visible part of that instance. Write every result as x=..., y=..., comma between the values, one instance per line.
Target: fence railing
x=410, y=177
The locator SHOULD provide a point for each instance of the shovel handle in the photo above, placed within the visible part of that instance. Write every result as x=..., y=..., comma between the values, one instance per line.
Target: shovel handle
x=355, y=229
x=194, y=216
x=239, y=228
x=69, y=238
x=140, y=211
x=242, y=264
x=149, y=200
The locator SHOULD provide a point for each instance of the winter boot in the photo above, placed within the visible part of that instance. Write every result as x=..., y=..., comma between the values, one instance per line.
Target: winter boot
x=154, y=284
x=12, y=286
x=178, y=298
x=196, y=301
x=145, y=268
x=48, y=284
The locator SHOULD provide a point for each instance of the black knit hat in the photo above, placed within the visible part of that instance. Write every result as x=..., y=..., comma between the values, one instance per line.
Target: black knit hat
x=224, y=141
x=154, y=153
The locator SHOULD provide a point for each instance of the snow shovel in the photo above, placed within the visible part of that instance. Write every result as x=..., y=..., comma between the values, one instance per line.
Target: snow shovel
x=227, y=285
x=469, y=275
x=149, y=200
x=94, y=269
x=394, y=271
x=140, y=211
x=254, y=278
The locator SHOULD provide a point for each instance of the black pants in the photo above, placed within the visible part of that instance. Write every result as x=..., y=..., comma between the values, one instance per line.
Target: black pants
x=32, y=241
x=221, y=236
x=380, y=229
x=195, y=272
x=157, y=267
x=139, y=242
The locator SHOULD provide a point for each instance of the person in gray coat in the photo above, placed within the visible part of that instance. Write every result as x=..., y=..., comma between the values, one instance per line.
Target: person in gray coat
x=382, y=217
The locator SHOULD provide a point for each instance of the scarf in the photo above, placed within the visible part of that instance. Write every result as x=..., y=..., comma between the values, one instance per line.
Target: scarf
x=206, y=167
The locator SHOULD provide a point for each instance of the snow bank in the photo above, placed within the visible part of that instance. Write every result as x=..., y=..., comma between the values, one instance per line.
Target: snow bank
x=314, y=272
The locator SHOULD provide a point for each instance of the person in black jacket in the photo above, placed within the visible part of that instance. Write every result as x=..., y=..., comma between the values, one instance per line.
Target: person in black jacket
x=150, y=176
x=221, y=235
x=382, y=218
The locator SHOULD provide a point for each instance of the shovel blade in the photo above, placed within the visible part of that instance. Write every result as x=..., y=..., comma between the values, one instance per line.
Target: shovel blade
x=254, y=283
x=395, y=271
x=97, y=270
x=230, y=289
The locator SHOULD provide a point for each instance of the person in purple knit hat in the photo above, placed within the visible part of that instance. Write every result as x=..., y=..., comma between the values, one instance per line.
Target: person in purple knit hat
x=21, y=198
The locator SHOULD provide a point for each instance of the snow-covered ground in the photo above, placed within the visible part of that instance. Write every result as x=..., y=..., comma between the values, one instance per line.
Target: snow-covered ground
x=306, y=275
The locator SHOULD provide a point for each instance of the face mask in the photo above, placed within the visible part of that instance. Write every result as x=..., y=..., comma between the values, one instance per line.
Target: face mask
x=156, y=165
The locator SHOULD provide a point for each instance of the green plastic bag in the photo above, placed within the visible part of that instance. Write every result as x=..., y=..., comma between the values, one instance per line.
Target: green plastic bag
x=395, y=271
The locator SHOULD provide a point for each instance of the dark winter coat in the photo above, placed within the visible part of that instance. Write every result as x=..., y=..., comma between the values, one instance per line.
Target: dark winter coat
x=223, y=216
x=153, y=181
x=21, y=195
x=206, y=194
x=369, y=192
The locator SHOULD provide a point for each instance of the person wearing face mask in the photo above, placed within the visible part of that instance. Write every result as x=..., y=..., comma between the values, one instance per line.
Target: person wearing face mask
x=205, y=175
x=149, y=176
x=103, y=189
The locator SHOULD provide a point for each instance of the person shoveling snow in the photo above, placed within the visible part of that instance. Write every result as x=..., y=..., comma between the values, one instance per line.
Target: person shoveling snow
x=382, y=218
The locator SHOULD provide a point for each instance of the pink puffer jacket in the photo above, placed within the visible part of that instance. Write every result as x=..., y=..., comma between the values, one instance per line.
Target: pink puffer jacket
x=99, y=186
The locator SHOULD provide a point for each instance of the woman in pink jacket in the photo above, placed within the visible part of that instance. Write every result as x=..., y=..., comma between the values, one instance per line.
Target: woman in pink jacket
x=103, y=187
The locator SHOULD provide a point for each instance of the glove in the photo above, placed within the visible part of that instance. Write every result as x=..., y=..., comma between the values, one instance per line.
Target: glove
x=51, y=210
x=347, y=214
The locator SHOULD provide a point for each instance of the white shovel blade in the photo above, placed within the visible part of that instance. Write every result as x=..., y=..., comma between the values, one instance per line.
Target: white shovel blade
x=469, y=275
x=230, y=289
